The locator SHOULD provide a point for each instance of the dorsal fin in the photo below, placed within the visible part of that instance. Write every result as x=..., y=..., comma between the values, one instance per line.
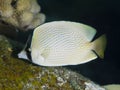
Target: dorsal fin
x=86, y=30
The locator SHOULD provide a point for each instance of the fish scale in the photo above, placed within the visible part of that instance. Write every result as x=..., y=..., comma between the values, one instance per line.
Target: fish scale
x=57, y=38
x=61, y=43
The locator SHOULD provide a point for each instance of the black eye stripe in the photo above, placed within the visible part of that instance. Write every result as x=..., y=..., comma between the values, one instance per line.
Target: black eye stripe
x=27, y=46
x=28, y=53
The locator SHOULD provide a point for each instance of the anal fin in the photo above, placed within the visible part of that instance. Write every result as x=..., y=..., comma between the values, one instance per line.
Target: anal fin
x=89, y=57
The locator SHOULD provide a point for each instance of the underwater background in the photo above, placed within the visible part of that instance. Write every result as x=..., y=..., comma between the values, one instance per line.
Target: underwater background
x=104, y=15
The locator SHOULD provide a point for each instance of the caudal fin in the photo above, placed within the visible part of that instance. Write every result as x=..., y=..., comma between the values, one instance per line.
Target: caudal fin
x=99, y=45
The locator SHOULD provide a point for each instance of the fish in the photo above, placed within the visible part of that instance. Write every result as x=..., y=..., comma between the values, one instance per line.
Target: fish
x=112, y=87
x=62, y=43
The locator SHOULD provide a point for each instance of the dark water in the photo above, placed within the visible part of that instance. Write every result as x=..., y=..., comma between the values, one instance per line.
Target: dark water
x=104, y=15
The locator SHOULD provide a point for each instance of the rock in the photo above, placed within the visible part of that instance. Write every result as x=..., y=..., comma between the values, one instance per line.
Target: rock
x=19, y=74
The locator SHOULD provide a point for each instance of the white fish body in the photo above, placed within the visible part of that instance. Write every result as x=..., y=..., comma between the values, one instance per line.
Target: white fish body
x=61, y=43
x=112, y=87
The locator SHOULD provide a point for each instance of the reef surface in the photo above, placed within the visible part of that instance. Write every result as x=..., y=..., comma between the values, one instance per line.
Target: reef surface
x=19, y=74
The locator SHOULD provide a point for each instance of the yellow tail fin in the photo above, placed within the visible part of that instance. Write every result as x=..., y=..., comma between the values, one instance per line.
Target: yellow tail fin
x=99, y=45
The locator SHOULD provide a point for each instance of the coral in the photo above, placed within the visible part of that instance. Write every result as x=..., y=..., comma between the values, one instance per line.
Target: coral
x=22, y=14
x=37, y=19
x=16, y=74
x=35, y=8
x=6, y=10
